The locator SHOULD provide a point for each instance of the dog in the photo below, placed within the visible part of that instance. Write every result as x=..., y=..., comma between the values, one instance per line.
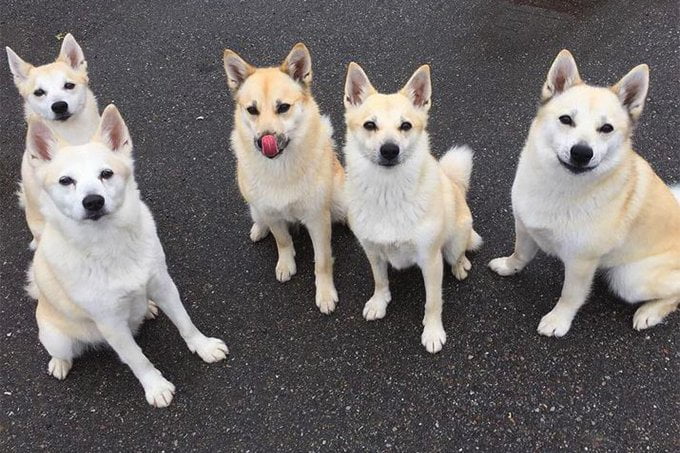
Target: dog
x=99, y=258
x=582, y=194
x=59, y=95
x=403, y=205
x=287, y=170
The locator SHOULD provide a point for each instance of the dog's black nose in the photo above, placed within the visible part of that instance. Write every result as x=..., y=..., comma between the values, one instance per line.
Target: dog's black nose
x=389, y=151
x=93, y=202
x=60, y=107
x=581, y=154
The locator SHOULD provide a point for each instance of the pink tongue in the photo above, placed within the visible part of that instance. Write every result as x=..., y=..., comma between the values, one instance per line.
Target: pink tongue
x=269, y=146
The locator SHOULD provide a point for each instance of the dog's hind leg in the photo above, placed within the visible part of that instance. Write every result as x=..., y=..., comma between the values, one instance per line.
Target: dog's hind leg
x=259, y=230
x=454, y=251
x=61, y=348
x=525, y=251
x=653, y=312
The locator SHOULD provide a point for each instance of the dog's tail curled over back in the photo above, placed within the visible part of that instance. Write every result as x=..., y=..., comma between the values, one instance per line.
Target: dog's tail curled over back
x=457, y=165
x=676, y=191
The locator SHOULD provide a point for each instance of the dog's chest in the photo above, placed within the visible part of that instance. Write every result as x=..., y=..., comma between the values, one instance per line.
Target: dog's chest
x=400, y=255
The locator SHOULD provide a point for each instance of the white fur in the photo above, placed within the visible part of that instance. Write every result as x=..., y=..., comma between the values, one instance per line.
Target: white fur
x=676, y=192
x=107, y=269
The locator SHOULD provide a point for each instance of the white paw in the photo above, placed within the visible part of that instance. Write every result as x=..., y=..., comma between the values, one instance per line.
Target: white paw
x=209, y=349
x=59, y=368
x=461, y=268
x=555, y=324
x=33, y=245
x=159, y=391
x=258, y=232
x=376, y=307
x=326, y=298
x=151, y=310
x=503, y=266
x=433, y=337
x=285, y=268
x=647, y=316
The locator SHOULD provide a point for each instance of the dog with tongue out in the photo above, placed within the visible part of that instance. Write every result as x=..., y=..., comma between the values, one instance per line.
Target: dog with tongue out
x=287, y=169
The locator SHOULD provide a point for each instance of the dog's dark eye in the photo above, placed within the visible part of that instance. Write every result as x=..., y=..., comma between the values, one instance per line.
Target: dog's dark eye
x=405, y=126
x=566, y=119
x=66, y=181
x=606, y=128
x=370, y=126
x=282, y=108
x=39, y=92
x=253, y=110
x=106, y=174
x=69, y=85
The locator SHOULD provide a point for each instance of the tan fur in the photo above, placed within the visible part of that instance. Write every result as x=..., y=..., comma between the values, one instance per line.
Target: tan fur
x=304, y=183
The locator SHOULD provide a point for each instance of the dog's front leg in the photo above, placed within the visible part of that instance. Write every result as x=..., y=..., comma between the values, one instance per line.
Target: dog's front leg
x=158, y=390
x=578, y=278
x=434, y=336
x=163, y=291
x=319, y=229
x=376, y=307
x=285, y=266
x=525, y=251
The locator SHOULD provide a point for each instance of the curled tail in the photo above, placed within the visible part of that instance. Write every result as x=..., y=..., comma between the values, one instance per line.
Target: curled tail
x=457, y=165
x=676, y=192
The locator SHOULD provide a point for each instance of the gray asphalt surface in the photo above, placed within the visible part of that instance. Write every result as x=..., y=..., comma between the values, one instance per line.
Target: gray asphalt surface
x=296, y=379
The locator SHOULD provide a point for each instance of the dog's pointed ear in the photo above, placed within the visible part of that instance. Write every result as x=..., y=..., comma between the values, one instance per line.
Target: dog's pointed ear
x=419, y=88
x=632, y=90
x=72, y=54
x=357, y=86
x=41, y=142
x=19, y=67
x=236, y=68
x=563, y=75
x=113, y=132
x=298, y=64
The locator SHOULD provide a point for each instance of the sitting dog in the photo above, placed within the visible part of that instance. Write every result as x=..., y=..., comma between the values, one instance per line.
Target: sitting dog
x=99, y=259
x=404, y=206
x=582, y=194
x=57, y=93
x=287, y=170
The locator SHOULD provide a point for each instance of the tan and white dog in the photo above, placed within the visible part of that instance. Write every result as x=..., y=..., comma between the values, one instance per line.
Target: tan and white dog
x=404, y=206
x=582, y=194
x=287, y=169
x=57, y=93
x=99, y=259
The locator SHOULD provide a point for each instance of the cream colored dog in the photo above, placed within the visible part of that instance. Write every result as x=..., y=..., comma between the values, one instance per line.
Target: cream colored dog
x=582, y=194
x=58, y=94
x=287, y=169
x=99, y=258
x=404, y=206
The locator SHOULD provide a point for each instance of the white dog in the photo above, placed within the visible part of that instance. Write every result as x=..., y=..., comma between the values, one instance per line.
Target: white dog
x=99, y=259
x=58, y=93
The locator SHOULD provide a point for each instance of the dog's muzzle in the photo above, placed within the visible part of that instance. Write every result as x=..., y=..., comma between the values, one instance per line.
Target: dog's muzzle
x=271, y=145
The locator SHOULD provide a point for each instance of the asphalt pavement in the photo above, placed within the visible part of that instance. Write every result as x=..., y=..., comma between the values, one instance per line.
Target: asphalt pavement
x=297, y=380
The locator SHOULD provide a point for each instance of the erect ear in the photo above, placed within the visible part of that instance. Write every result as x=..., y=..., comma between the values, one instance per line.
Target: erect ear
x=41, y=141
x=419, y=88
x=563, y=74
x=72, y=54
x=357, y=86
x=236, y=68
x=632, y=90
x=18, y=66
x=113, y=132
x=298, y=64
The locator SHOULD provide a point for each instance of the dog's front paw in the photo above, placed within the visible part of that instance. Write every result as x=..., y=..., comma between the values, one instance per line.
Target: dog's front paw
x=555, y=324
x=285, y=268
x=59, y=368
x=151, y=310
x=209, y=349
x=258, y=232
x=503, y=266
x=159, y=391
x=376, y=307
x=433, y=337
x=326, y=298
x=461, y=268
x=648, y=316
